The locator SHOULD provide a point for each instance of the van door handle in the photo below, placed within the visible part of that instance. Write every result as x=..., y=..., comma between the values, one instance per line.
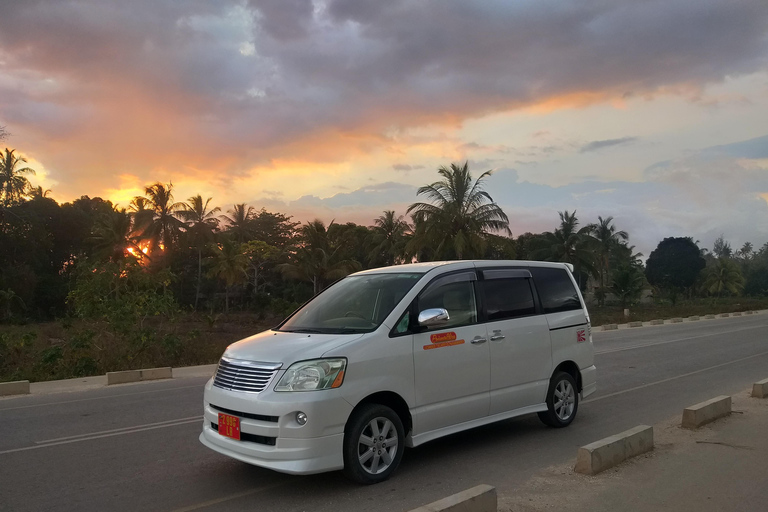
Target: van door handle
x=497, y=336
x=477, y=340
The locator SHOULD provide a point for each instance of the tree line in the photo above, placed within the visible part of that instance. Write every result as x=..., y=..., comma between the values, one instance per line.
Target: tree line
x=158, y=255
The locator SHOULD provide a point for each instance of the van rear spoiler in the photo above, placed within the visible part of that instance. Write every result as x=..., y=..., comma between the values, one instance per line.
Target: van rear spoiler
x=570, y=267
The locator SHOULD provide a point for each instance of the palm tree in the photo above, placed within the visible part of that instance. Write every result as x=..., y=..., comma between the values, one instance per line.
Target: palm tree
x=389, y=237
x=627, y=283
x=13, y=182
x=163, y=226
x=607, y=239
x=461, y=214
x=316, y=260
x=201, y=223
x=39, y=192
x=114, y=237
x=228, y=263
x=568, y=244
x=722, y=277
x=240, y=222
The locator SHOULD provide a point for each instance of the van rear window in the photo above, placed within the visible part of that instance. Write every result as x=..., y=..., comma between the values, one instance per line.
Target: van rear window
x=508, y=298
x=556, y=290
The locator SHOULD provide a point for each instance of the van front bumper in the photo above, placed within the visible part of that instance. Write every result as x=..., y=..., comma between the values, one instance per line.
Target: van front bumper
x=271, y=437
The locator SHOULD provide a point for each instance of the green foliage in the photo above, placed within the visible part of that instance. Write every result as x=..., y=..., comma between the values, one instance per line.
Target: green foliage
x=627, y=284
x=674, y=265
x=124, y=294
x=723, y=277
x=455, y=224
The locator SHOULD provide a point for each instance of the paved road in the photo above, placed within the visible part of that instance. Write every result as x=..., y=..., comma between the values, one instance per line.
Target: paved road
x=135, y=447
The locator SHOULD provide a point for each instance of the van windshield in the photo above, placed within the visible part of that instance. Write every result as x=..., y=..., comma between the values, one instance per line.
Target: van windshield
x=356, y=304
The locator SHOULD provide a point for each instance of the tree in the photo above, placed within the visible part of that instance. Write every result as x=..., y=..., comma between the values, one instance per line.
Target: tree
x=607, y=239
x=316, y=260
x=627, y=283
x=567, y=244
x=8, y=298
x=722, y=249
x=201, y=223
x=239, y=221
x=114, y=237
x=674, y=265
x=276, y=229
x=723, y=277
x=228, y=263
x=460, y=216
x=258, y=254
x=39, y=192
x=388, y=239
x=156, y=213
x=13, y=182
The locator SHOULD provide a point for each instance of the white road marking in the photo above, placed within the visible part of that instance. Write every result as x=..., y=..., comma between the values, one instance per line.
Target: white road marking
x=98, y=398
x=231, y=497
x=178, y=420
x=100, y=436
x=653, y=344
x=662, y=381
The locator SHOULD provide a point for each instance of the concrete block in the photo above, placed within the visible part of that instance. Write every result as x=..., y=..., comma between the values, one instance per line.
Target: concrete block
x=613, y=450
x=693, y=318
x=138, y=375
x=760, y=389
x=738, y=313
x=676, y=321
x=706, y=412
x=123, y=377
x=610, y=327
x=724, y=315
x=710, y=317
x=157, y=373
x=657, y=322
x=748, y=312
x=481, y=498
x=635, y=324
x=17, y=387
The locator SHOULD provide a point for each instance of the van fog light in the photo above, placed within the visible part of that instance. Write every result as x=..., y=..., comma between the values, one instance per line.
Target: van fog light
x=301, y=418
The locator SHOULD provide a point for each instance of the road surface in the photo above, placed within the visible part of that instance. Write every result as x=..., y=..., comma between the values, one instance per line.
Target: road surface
x=135, y=447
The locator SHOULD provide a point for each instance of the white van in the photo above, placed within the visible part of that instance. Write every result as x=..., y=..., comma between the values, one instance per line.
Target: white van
x=398, y=356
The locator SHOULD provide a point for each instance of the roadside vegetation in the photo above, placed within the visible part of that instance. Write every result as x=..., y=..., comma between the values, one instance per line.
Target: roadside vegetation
x=90, y=286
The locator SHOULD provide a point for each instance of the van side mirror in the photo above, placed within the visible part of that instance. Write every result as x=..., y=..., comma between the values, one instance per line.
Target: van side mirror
x=432, y=317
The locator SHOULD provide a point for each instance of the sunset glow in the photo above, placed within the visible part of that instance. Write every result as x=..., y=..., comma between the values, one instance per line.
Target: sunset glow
x=340, y=110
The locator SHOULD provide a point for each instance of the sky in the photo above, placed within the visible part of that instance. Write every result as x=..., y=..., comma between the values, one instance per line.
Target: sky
x=649, y=111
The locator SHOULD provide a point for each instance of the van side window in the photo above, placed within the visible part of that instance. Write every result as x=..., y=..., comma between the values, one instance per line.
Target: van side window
x=454, y=293
x=508, y=298
x=556, y=289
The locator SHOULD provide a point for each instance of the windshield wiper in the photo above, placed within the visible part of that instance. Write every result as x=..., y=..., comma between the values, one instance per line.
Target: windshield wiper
x=306, y=331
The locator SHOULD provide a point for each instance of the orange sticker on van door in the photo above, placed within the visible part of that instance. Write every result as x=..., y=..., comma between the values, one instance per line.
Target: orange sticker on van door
x=444, y=344
x=442, y=336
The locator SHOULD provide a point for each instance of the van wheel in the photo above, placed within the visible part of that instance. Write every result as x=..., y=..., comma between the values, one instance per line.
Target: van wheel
x=374, y=442
x=562, y=401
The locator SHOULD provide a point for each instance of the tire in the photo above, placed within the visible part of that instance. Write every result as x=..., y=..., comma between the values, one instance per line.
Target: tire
x=368, y=460
x=560, y=413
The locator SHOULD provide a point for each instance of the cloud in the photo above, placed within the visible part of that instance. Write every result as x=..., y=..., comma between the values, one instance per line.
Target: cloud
x=160, y=87
x=600, y=144
x=406, y=167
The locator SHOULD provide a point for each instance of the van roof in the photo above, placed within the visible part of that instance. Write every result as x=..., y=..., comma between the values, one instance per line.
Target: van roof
x=424, y=267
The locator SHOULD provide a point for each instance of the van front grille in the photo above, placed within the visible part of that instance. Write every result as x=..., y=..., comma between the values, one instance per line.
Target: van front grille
x=248, y=376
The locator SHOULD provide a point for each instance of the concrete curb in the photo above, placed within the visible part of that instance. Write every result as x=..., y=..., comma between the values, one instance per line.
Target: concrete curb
x=760, y=389
x=706, y=412
x=657, y=322
x=127, y=376
x=613, y=450
x=481, y=498
x=610, y=327
x=710, y=317
x=676, y=321
x=635, y=324
x=693, y=318
x=17, y=387
x=724, y=315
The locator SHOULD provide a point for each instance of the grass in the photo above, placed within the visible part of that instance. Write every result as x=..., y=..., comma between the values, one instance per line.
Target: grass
x=78, y=348
x=66, y=349
x=614, y=314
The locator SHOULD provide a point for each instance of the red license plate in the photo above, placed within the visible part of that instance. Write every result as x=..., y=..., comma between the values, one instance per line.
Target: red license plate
x=229, y=426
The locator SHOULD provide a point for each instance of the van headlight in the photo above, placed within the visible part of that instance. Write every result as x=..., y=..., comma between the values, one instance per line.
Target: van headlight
x=313, y=375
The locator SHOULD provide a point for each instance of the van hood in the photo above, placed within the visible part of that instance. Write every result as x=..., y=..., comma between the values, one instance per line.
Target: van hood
x=286, y=347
